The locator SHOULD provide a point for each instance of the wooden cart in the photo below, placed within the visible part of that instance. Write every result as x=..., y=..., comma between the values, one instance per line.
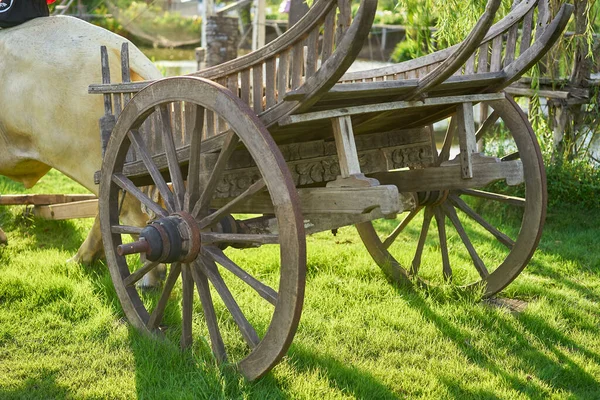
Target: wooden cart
x=267, y=148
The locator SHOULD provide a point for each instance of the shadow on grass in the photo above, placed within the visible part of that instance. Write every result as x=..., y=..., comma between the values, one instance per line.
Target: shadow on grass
x=41, y=386
x=348, y=379
x=548, y=358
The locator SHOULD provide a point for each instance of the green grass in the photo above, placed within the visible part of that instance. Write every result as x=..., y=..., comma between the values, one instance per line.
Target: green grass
x=63, y=334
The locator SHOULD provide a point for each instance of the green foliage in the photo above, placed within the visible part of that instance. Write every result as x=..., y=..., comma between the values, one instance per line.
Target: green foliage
x=574, y=184
x=405, y=50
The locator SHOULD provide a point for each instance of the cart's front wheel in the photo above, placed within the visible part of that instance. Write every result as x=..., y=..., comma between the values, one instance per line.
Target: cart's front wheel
x=485, y=235
x=249, y=303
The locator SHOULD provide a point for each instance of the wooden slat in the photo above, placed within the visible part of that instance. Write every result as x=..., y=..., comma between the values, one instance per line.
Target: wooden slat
x=526, y=31
x=470, y=65
x=312, y=55
x=297, y=65
x=511, y=44
x=328, y=35
x=496, y=60
x=76, y=209
x=482, y=62
x=245, y=86
x=282, y=75
x=270, y=82
x=344, y=17
x=42, y=199
x=257, y=88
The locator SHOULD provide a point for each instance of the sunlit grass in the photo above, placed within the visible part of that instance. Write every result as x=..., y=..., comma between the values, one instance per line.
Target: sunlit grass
x=63, y=333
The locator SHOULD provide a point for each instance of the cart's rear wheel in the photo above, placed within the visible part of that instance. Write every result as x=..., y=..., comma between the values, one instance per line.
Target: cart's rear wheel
x=485, y=236
x=249, y=307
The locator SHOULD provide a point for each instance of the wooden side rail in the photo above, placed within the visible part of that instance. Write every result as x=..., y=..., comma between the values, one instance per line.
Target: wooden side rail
x=421, y=66
x=309, y=59
x=509, y=48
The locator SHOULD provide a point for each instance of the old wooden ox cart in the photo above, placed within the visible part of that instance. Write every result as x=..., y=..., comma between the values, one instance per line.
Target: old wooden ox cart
x=281, y=143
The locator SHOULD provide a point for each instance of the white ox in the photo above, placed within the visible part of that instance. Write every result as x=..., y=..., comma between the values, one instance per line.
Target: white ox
x=47, y=118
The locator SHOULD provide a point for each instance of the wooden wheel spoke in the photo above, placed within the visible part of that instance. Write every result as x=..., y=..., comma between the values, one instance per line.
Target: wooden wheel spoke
x=126, y=229
x=512, y=200
x=450, y=132
x=209, y=268
x=229, y=145
x=241, y=238
x=187, y=306
x=477, y=261
x=194, y=123
x=157, y=177
x=398, y=230
x=440, y=220
x=139, y=273
x=416, y=263
x=125, y=183
x=487, y=125
x=502, y=238
x=216, y=340
x=159, y=311
x=263, y=290
x=221, y=212
x=171, y=153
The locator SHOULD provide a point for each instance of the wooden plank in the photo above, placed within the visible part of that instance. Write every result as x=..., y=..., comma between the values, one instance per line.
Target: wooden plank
x=389, y=106
x=76, y=209
x=245, y=86
x=282, y=75
x=526, y=31
x=449, y=177
x=327, y=200
x=42, y=199
x=297, y=65
x=270, y=89
x=257, y=88
x=482, y=62
x=470, y=65
x=312, y=53
x=496, y=60
x=511, y=44
x=328, y=35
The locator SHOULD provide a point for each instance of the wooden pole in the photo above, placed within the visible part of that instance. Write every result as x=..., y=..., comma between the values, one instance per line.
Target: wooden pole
x=258, y=24
x=208, y=9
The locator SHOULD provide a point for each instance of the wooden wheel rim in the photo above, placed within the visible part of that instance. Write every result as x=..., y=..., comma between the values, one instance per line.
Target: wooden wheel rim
x=271, y=165
x=533, y=215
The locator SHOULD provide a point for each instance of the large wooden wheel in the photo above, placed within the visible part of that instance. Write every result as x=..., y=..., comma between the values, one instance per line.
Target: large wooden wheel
x=248, y=312
x=485, y=235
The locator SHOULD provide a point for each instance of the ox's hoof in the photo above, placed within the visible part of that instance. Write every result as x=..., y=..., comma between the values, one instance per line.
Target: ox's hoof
x=153, y=279
x=85, y=258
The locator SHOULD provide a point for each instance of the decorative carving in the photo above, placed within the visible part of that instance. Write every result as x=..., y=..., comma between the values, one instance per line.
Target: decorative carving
x=325, y=169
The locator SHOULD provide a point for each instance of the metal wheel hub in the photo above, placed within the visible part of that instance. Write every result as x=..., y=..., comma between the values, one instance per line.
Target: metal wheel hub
x=432, y=198
x=169, y=239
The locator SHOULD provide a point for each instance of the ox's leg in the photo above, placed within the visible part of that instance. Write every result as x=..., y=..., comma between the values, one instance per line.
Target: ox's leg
x=91, y=249
x=3, y=238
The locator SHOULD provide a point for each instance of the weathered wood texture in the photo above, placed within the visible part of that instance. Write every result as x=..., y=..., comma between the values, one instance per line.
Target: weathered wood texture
x=76, y=209
x=42, y=199
x=508, y=47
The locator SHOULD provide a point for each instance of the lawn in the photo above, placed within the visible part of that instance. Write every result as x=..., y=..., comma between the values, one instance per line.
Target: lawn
x=63, y=333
